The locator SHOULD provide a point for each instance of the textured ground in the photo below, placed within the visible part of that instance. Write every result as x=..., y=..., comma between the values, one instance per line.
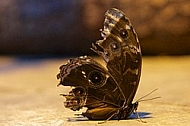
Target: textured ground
x=29, y=96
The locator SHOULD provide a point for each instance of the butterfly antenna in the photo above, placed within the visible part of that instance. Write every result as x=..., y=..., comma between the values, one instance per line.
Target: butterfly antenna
x=148, y=99
x=141, y=99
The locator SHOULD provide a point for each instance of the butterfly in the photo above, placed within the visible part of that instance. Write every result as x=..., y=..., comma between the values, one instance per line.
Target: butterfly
x=106, y=92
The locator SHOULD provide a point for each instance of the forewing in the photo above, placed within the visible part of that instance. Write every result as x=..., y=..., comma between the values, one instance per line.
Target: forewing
x=120, y=49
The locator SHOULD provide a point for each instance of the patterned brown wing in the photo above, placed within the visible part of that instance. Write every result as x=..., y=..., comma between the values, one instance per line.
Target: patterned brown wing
x=107, y=93
x=120, y=49
x=94, y=88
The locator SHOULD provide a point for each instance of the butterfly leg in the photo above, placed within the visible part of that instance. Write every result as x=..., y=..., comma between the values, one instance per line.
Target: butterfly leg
x=138, y=116
x=114, y=114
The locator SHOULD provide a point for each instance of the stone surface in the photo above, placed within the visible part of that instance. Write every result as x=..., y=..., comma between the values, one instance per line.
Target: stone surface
x=29, y=95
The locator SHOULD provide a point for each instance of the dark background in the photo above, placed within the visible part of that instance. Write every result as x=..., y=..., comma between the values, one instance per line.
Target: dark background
x=68, y=27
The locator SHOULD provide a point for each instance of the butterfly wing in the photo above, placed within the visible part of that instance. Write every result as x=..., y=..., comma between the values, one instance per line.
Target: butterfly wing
x=106, y=92
x=120, y=49
x=94, y=88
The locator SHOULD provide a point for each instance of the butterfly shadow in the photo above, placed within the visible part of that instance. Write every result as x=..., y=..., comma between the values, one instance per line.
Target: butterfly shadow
x=142, y=115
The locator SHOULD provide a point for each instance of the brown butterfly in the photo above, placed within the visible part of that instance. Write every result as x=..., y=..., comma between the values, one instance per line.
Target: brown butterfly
x=107, y=93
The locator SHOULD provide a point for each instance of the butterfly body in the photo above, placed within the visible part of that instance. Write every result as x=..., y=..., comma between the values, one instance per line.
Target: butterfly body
x=106, y=92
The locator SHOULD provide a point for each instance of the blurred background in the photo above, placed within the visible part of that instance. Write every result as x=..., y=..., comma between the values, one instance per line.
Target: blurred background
x=68, y=27
x=37, y=36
